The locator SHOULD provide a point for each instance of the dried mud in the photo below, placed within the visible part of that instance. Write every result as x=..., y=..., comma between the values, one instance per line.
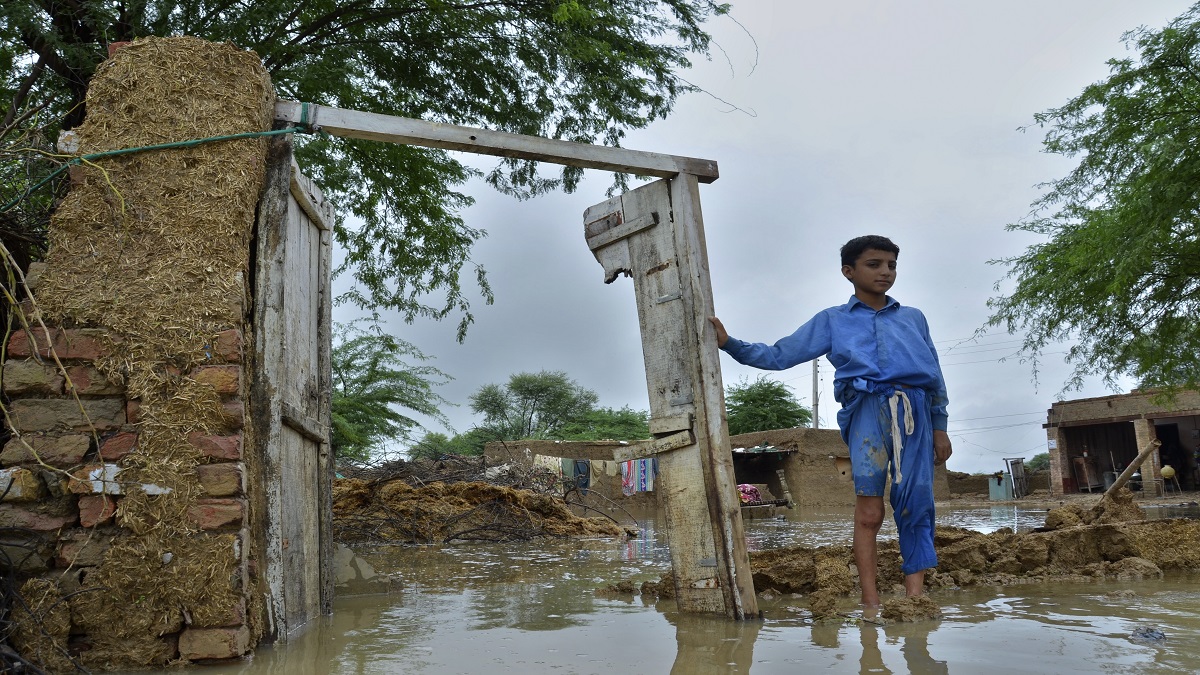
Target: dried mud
x=392, y=511
x=1108, y=541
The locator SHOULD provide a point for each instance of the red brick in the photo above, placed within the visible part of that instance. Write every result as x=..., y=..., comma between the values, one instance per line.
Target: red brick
x=27, y=376
x=96, y=509
x=91, y=382
x=225, y=379
x=115, y=447
x=228, y=345
x=235, y=414
x=77, y=343
x=213, y=643
x=45, y=414
x=217, y=447
x=57, y=451
x=15, y=516
x=220, y=480
x=113, y=47
x=133, y=411
x=210, y=514
x=82, y=549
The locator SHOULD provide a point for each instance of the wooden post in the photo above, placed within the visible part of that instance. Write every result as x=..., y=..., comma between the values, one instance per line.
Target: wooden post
x=1132, y=469
x=655, y=234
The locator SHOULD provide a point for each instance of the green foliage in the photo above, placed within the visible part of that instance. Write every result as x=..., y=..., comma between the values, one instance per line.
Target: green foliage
x=579, y=70
x=434, y=445
x=600, y=424
x=1039, y=462
x=531, y=405
x=372, y=385
x=1119, y=268
x=763, y=405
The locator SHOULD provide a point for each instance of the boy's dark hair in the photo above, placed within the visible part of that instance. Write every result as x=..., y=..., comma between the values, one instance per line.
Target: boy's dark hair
x=856, y=246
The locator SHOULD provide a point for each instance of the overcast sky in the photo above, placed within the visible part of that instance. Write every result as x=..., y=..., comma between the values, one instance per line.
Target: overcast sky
x=855, y=117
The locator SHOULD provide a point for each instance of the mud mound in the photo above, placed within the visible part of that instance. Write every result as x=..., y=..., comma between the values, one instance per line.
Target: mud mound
x=921, y=608
x=393, y=511
x=1128, y=550
x=1120, y=508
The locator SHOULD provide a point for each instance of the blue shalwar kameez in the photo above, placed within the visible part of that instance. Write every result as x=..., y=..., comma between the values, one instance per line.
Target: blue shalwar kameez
x=893, y=397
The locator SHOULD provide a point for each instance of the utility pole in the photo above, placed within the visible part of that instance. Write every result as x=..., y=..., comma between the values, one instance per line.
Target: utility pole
x=816, y=392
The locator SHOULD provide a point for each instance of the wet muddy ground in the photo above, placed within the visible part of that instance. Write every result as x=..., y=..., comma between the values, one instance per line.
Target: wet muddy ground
x=531, y=607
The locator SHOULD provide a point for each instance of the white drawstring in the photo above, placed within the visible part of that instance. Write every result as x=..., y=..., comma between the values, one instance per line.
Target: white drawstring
x=909, y=426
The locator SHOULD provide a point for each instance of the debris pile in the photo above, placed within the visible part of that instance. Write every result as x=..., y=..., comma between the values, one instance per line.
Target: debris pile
x=393, y=511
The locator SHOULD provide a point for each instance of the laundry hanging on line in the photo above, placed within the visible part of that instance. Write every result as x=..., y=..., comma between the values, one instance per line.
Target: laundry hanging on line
x=637, y=475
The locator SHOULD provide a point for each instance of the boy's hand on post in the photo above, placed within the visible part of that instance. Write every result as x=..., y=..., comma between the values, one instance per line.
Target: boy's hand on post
x=722, y=336
x=941, y=447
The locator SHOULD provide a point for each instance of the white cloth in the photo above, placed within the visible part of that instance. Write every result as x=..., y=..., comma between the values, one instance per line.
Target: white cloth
x=909, y=426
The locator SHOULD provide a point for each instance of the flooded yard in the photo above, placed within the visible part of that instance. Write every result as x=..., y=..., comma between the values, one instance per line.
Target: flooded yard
x=531, y=608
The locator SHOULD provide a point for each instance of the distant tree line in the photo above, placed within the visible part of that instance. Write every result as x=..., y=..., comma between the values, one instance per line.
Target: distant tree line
x=377, y=378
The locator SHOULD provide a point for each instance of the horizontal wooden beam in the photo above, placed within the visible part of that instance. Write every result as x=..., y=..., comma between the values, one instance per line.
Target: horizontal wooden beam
x=390, y=129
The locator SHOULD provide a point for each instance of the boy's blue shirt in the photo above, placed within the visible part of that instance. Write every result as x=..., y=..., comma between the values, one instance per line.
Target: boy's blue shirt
x=869, y=349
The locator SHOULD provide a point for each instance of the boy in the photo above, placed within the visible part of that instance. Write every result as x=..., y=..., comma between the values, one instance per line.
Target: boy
x=893, y=404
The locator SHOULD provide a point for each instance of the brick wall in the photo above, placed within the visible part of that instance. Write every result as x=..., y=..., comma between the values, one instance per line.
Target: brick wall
x=126, y=481
x=61, y=471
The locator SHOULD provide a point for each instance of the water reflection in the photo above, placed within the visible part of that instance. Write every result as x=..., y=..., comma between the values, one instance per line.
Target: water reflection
x=822, y=527
x=531, y=608
x=712, y=646
x=914, y=647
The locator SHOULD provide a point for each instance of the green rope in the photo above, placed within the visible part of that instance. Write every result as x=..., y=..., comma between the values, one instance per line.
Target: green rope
x=161, y=146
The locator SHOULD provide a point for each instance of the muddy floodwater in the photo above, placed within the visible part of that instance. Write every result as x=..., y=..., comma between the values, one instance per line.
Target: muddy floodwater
x=531, y=608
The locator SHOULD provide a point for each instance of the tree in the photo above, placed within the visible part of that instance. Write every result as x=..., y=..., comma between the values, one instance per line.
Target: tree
x=600, y=424
x=580, y=70
x=1119, y=269
x=763, y=405
x=434, y=445
x=372, y=386
x=531, y=405
x=1039, y=462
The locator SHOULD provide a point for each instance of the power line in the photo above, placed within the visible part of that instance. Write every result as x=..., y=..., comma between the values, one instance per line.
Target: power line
x=967, y=363
x=992, y=417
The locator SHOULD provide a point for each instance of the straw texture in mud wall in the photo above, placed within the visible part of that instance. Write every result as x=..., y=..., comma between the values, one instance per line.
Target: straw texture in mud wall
x=148, y=269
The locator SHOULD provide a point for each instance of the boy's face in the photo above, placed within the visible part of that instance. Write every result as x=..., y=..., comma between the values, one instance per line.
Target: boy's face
x=873, y=273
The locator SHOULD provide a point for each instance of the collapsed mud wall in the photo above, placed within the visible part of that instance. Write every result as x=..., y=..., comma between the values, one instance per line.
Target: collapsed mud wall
x=817, y=471
x=126, y=499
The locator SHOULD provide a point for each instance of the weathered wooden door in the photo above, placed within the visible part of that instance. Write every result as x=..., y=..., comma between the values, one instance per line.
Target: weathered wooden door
x=291, y=394
x=655, y=234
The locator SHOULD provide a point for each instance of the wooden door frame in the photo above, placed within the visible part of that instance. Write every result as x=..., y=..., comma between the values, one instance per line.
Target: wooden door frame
x=268, y=413
x=685, y=173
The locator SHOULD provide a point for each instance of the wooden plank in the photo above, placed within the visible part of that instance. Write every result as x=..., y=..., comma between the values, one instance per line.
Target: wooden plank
x=310, y=198
x=392, y=129
x=619, y=231
x=326, y=460
x=675, y=441
x=724, y=503
x=651, y=262
x=665, y=425
x=302, y=423
x=264, y=460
